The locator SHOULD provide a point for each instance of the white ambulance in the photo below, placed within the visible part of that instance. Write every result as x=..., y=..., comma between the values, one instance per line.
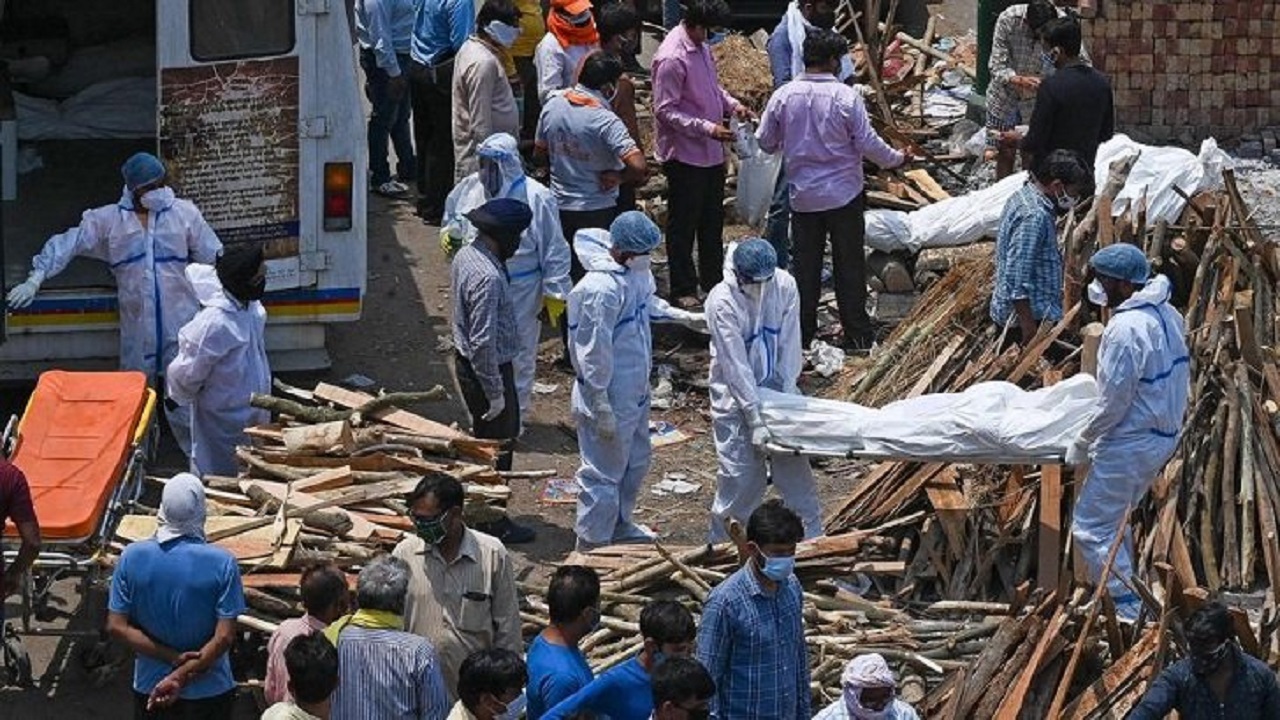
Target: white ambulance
x=255, y=108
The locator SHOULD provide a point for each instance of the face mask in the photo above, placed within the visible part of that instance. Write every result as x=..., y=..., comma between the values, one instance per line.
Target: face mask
x=515, y=708
x=716, y=38
x=1065, y=203
x=639, y=263
x=776, y=569
x=1208, y=662
x=1097, y=293
x=491, y=178
x=502, y=33
x=627, y=44
x=432, y=532
x=255, y=290
x=158, y=199
x=582, y=19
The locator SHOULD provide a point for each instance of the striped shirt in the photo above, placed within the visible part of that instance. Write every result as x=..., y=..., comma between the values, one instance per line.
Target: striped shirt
x=1028, y=263
x=461, y=606
x=387, y=675
x=752, y=643
x=276, y=684
x=484, y=324
x=1015, y=50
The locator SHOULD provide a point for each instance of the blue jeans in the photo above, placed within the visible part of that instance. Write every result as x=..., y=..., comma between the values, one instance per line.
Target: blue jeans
x=777, y=227
x=389, y=119
x=671, y=13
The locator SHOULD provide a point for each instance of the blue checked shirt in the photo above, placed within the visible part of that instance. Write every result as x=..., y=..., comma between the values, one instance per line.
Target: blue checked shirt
x=1252, y=695
x=1028, y=262
x=752, y=643
x=484, y=323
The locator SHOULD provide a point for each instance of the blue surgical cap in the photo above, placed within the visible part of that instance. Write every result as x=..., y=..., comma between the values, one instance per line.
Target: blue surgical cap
x=634, y=232
x=142, y=169
x=755, y=259
x=1122, y=262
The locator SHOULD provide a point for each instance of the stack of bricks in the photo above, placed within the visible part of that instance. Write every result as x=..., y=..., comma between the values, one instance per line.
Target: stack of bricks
x=1189, y=66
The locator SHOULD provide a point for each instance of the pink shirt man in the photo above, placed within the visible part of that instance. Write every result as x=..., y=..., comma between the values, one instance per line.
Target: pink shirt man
x=688, y=101
x=276, y=684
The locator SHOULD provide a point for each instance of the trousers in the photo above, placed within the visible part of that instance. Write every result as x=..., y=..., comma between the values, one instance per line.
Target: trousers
x=431, y=89
x=695, y=216
x=845, y=227
x=388, y=120
x=506, y=426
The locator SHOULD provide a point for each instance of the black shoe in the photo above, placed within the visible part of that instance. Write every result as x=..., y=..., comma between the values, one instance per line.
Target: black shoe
x=430, y=215
x=508, y=532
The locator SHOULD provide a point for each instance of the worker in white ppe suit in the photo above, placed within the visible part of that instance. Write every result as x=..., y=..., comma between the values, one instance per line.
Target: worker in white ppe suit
x=222, y=358
x=147, y=239
x=753, y=316
x=1143, y=385
x=611, y=346
x=539, y=271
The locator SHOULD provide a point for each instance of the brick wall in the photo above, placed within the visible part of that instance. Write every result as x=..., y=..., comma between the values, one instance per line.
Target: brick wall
x=1190, y=66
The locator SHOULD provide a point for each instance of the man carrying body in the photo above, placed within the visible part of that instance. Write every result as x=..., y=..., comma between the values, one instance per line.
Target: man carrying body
x=1074, y=106
x=385, y=31
x=539, y=270
x=483, y=102
x=1143, y=385
x=611, y=344
x=147, y=240
x=690, y=108
x=752, y=634
x=484, y=333
x=571, y=37
x=1028, y=287
x=755, y=342
x=462, y=594
x=222, y=358
x=820, y=126
x=590, y=150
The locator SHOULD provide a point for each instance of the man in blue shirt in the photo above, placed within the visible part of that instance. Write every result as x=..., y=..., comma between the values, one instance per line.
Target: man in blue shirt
x=385, y=31
x=625, y=693
x=1217, y=680
x=1028, y=288
x=557, y=668
x=752, y=634
x=174, y=602
x=442, y=26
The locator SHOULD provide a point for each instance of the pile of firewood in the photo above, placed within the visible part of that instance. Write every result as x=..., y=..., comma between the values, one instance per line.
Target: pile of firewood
x=326, y=482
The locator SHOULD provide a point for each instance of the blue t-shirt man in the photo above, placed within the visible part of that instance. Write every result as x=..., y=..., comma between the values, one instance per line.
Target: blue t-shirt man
x=555, y=673
x=623, y=693
x=176, y=592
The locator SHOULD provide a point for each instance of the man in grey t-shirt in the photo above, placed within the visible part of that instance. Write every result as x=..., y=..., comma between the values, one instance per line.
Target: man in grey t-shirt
x=590, y=151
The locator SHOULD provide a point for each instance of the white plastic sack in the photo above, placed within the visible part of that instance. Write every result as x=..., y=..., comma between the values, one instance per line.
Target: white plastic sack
x=757, y=176
x=989, y=421
x=1158, y=169
x=959, y=220
x=122, y=108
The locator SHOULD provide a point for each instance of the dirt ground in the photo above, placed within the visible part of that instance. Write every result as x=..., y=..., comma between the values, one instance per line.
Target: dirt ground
x=401, y=342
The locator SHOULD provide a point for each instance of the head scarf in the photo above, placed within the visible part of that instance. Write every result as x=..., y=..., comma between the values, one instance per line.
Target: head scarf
x=566, y=32
x=237, y=266
x=502, y=219
x=862, y=672
x=182, y=509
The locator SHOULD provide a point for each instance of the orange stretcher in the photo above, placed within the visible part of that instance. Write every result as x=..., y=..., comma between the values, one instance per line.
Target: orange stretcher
x=81, y=442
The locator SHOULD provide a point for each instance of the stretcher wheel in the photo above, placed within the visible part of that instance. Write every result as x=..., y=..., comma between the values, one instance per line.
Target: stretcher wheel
x=17, y=664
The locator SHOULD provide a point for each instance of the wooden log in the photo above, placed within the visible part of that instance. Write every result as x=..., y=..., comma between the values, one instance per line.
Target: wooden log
x=1091, y=339
x=335, y=522
x=1230, y=541
x=930, y=50
x=1248, y=518
x=329, y=438
x=1015, y=698
x=1049, y=540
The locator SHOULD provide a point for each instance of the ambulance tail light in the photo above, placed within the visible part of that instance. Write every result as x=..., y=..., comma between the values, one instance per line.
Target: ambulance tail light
x=338, y=182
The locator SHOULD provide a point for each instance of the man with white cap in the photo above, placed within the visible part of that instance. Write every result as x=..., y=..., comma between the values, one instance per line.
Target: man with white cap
x=869, y=693
x=147, y=239
x=1144, y=380
x=611, y=345
x=755, y=342
x=539, y=271
x=174, y=602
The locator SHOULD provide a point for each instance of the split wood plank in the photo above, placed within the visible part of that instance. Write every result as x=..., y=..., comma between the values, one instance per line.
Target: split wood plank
x=262, y=581
x=248, y=546
x=952, y=509
x=926, y=184
x=1015, y=698
x=1050, y=536
x=1115, y=678
x=328, y=479
x=392, y=416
